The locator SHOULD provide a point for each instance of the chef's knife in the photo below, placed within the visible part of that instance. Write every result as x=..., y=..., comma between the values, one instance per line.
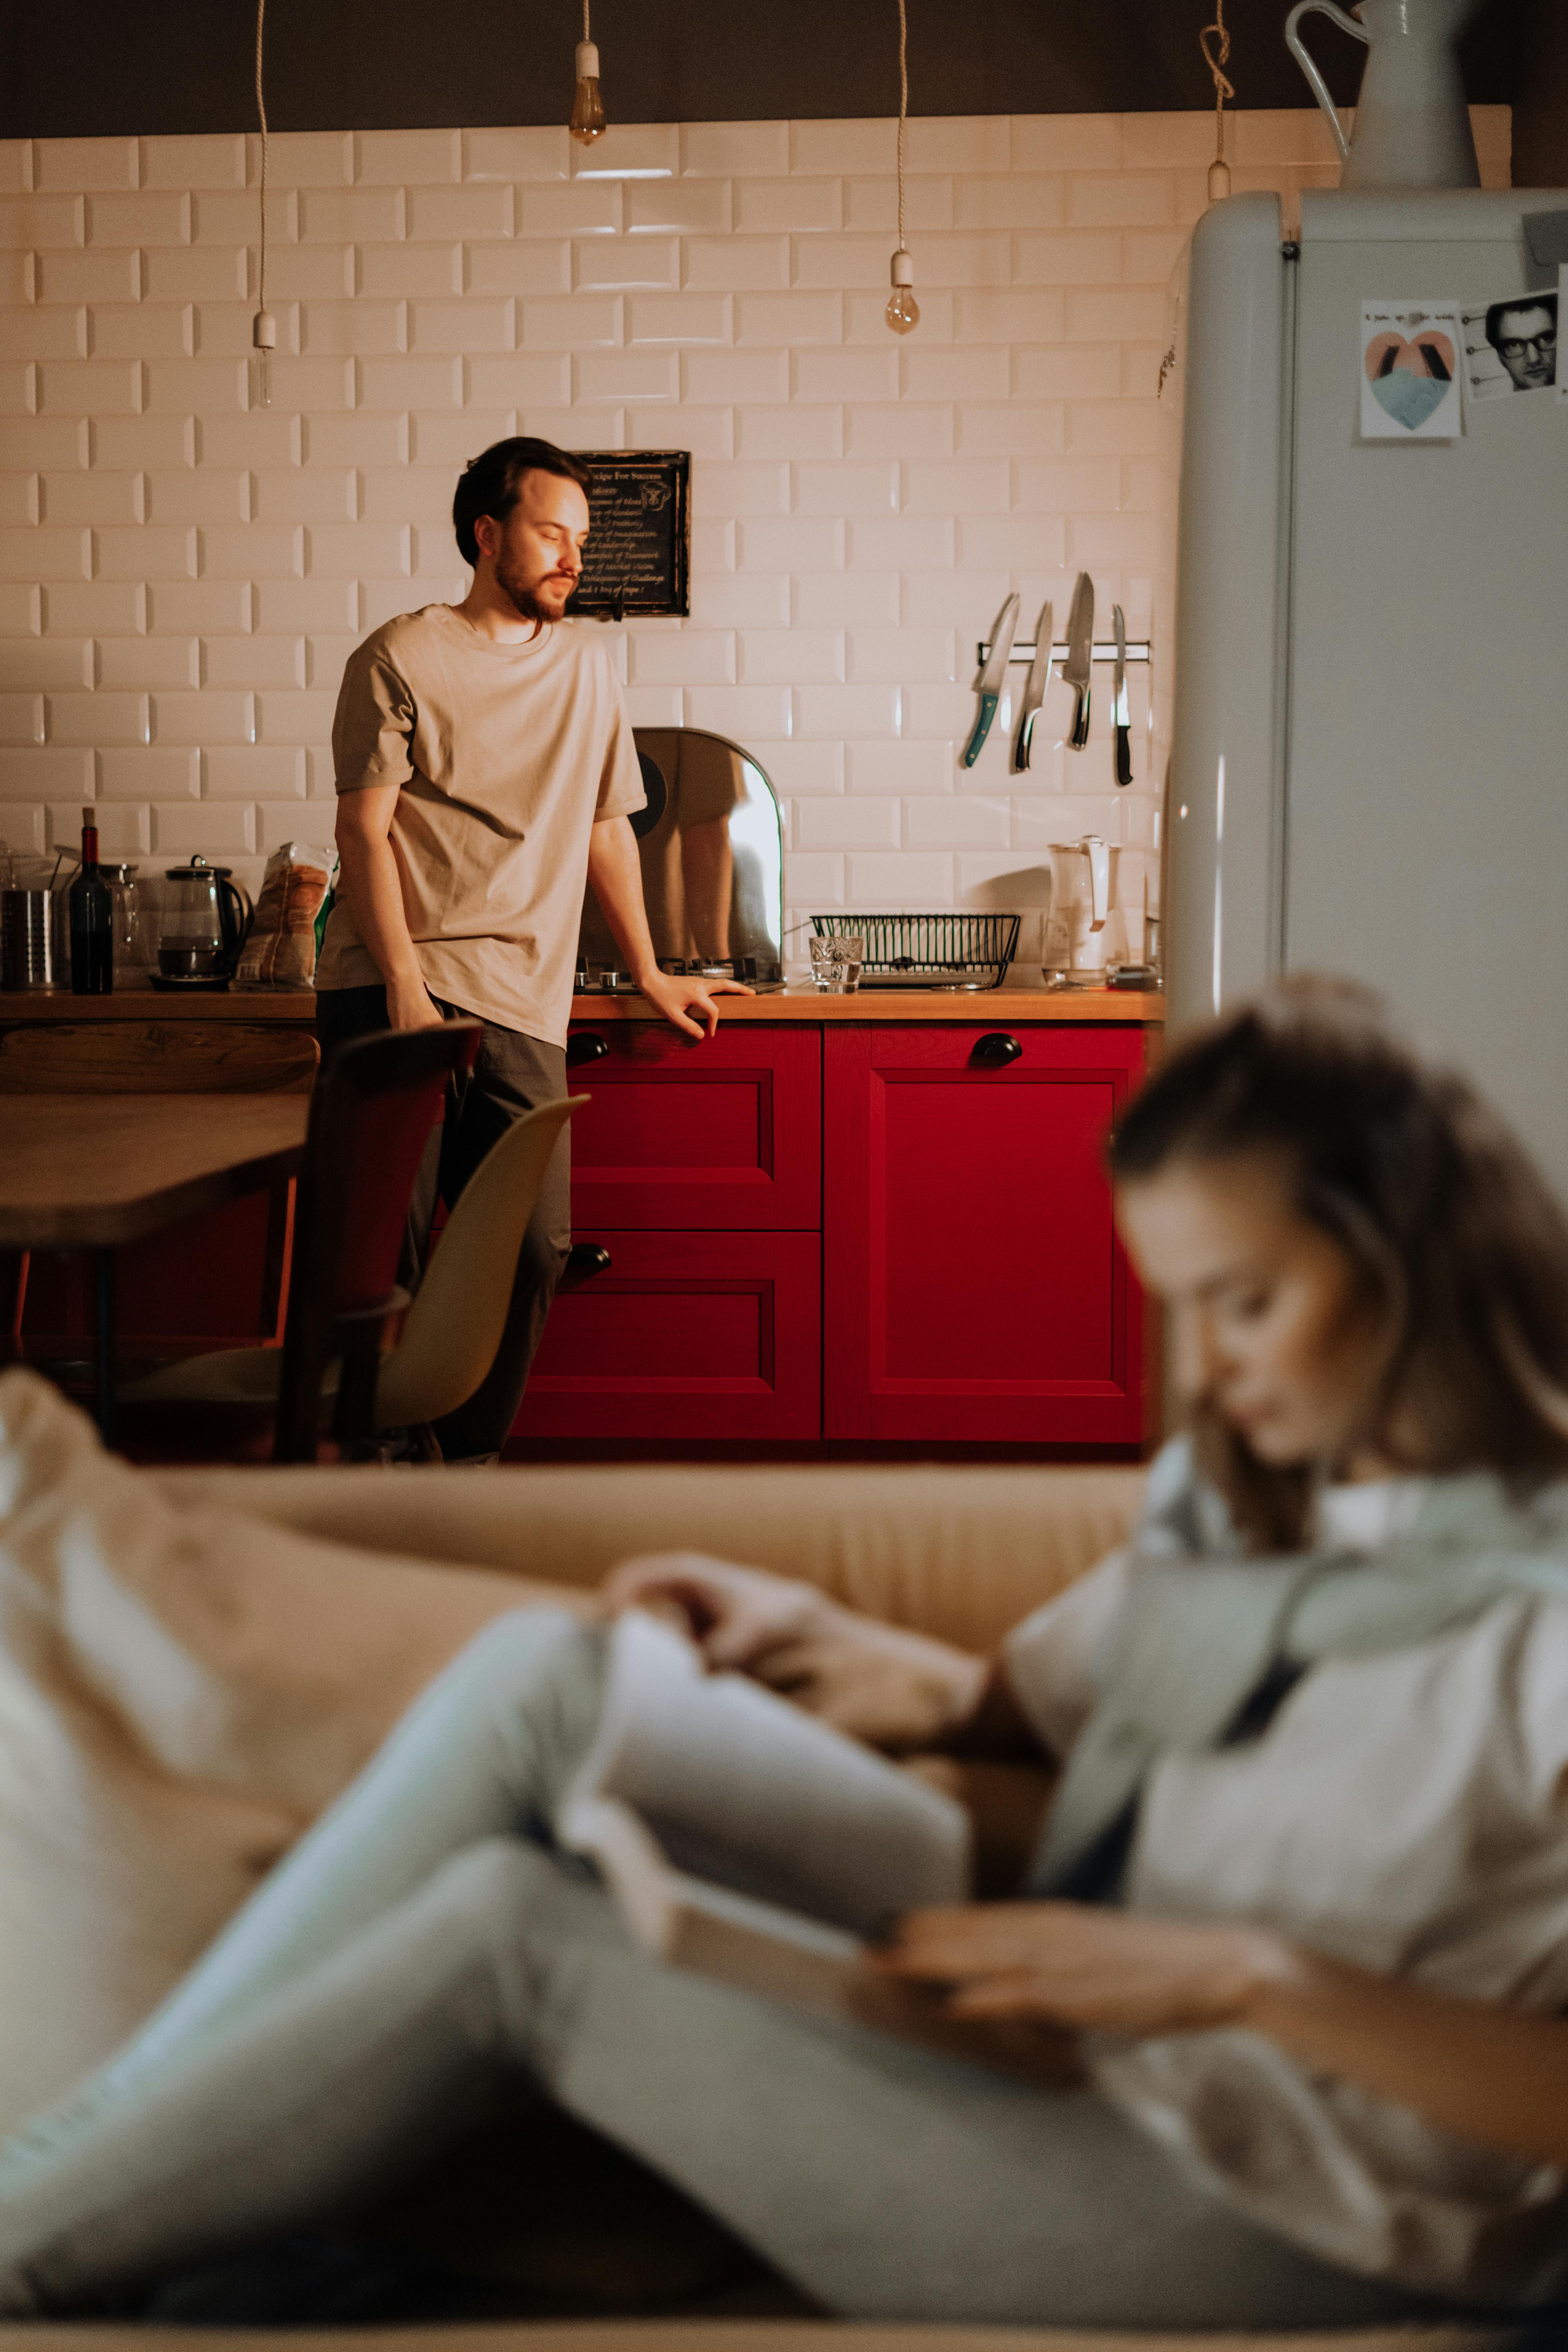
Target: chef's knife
x=1119, y=706
x=993, y=678
x=1081, y=657
x=1035, y=692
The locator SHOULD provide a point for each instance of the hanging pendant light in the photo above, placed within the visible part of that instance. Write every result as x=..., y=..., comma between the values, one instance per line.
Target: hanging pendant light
x=904, y=312
x=264, y=326
x=1217, y=60
x=587, y=121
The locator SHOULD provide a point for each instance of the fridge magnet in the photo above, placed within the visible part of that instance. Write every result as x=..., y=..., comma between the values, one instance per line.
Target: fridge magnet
x=1510, y=345
x=1410, y=371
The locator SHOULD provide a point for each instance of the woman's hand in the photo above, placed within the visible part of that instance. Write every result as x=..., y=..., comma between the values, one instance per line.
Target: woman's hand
x=1075, y=1964
x=890, y=1689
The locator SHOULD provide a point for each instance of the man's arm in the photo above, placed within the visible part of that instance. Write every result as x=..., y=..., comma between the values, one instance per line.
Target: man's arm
x=369, y=886
x=615, y=870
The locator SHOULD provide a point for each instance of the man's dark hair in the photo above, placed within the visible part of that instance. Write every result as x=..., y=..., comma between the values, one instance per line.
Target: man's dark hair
x=492, y=483
x=1499, y=311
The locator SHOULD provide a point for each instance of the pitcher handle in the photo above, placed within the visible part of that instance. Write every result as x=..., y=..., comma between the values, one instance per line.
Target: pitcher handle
x=1303, y=57
x=1099, y=880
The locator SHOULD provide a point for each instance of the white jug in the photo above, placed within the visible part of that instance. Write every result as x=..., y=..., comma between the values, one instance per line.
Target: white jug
x=1085, y=940
x=1412, y=125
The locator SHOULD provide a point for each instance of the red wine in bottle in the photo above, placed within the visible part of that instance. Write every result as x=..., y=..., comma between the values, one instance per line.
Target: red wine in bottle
x=91, y=907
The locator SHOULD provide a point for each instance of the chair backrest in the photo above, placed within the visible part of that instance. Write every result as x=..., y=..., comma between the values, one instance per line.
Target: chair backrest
x=156, y=1057
x=459, y=1310
x=375, y=1106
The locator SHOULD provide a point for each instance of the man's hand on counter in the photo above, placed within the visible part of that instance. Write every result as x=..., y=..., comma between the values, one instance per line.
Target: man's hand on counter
x=678, y=998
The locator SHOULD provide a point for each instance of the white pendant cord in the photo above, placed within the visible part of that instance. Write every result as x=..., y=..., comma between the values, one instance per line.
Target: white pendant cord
x=588, y=36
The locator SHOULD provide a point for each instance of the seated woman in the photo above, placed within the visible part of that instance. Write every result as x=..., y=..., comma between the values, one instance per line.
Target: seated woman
x=1304, y=1887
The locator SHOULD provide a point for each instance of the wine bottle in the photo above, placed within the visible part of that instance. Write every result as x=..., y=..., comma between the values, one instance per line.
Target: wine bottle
x=91, y=907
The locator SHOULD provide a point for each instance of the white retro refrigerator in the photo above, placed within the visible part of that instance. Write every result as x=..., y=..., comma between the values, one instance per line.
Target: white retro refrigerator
x=1366, y=713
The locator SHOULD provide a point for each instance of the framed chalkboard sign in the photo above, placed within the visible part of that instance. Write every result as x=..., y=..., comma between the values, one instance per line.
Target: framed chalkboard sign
x=638, y=555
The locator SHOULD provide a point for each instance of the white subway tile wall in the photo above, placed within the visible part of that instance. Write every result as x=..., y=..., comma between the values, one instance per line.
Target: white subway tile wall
x=183, y=571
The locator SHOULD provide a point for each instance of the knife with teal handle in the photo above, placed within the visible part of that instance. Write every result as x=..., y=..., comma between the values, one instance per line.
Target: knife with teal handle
x=993, y=678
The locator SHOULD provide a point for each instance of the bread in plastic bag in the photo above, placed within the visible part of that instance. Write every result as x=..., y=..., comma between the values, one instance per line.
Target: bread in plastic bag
x=281, y=951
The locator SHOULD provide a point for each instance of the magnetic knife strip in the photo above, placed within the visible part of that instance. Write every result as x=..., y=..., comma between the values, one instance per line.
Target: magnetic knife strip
x=1138, y=649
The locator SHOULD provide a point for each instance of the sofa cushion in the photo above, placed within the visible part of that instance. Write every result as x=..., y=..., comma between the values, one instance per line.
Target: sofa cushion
x=964, y=1553
x=180, y=1693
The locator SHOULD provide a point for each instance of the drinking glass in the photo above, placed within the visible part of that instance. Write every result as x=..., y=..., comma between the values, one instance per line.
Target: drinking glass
x=837, y=961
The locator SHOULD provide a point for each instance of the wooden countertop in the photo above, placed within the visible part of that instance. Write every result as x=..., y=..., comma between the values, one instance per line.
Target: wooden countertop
x=1132, y=1006
x=158, y=1005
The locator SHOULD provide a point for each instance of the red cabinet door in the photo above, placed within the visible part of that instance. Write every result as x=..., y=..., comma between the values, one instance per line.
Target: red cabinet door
x=975, y=1288
x=684, y=1335
x=683, y=1134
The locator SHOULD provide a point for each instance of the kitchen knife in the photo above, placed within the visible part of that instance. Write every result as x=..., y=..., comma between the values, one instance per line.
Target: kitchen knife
x=1035, y=692
x=993, y=678
x=1081, y=657
x=1119, y=706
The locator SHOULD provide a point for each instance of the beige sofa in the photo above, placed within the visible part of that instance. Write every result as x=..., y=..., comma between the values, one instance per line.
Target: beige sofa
x=300, y=1627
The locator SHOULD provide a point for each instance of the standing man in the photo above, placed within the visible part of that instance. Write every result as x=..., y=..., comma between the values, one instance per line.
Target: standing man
x=485, y=771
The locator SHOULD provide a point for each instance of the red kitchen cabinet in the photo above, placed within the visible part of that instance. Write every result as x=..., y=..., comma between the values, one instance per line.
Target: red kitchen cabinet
x=682, y=1134
x=707, y=1335
x=976, y=1287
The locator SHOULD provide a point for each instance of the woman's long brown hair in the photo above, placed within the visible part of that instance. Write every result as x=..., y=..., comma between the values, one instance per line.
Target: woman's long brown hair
x=1458, y=1242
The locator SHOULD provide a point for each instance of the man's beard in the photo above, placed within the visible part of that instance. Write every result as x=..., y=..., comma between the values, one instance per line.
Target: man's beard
x=528, y=605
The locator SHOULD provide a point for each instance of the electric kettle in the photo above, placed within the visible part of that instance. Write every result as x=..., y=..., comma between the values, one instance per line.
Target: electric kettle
x=1412, y=124
x=206, y=918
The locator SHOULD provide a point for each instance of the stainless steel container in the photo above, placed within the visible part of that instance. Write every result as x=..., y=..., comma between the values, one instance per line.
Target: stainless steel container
x=26, y=945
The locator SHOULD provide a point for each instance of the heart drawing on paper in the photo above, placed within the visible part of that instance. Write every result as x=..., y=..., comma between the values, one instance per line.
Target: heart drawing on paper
x=1410, y=380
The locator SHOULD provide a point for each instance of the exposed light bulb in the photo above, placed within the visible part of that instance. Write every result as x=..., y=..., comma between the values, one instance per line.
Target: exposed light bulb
x=904, y=312
x=587, y=121
x=264, y=335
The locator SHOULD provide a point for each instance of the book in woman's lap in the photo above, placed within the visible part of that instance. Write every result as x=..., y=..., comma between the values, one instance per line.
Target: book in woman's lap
x=745, y=1840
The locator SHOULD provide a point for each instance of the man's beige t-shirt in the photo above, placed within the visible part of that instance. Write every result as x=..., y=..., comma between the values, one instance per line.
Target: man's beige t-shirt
x=507, y=756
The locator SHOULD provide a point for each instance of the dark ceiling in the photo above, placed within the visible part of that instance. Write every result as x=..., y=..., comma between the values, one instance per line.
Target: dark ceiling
x=105, y=66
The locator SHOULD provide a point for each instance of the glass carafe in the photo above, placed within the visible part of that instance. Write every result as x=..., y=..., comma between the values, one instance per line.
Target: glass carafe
x=192, y=940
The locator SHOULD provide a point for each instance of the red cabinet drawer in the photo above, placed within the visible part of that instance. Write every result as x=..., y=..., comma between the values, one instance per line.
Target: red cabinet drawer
x=684, y=1335
x=977, y=1289
x=681, y=1134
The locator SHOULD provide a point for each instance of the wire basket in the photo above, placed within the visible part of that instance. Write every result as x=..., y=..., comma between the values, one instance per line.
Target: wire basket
x=931, y=950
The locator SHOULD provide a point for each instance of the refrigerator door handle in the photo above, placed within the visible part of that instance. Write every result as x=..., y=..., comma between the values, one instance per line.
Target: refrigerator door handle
x=1304, y=59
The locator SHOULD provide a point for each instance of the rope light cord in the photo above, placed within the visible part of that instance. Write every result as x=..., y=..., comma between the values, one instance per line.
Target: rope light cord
x=1216, y=58
x=588, y=36
x=261, y=117
x=903, y=103
x=904, y=312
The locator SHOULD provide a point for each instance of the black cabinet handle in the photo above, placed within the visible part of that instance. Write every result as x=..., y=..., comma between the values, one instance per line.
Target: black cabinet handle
x=584, y=1260
x=585, y=1045
x=995, y=1051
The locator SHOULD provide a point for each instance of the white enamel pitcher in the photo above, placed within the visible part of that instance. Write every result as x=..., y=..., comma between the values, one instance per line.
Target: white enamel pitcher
x=1412, y=124
x=1084, y=929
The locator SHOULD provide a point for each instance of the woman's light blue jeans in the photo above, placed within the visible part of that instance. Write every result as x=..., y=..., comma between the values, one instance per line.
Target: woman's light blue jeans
x=423, y=1936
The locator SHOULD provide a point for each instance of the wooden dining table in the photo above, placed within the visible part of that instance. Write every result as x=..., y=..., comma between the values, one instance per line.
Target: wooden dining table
x=92, y=1172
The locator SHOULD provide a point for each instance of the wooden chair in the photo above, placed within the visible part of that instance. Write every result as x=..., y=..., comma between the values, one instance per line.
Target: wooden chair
x=377, y=1100
x=454, y=1327
x=165, y=1057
